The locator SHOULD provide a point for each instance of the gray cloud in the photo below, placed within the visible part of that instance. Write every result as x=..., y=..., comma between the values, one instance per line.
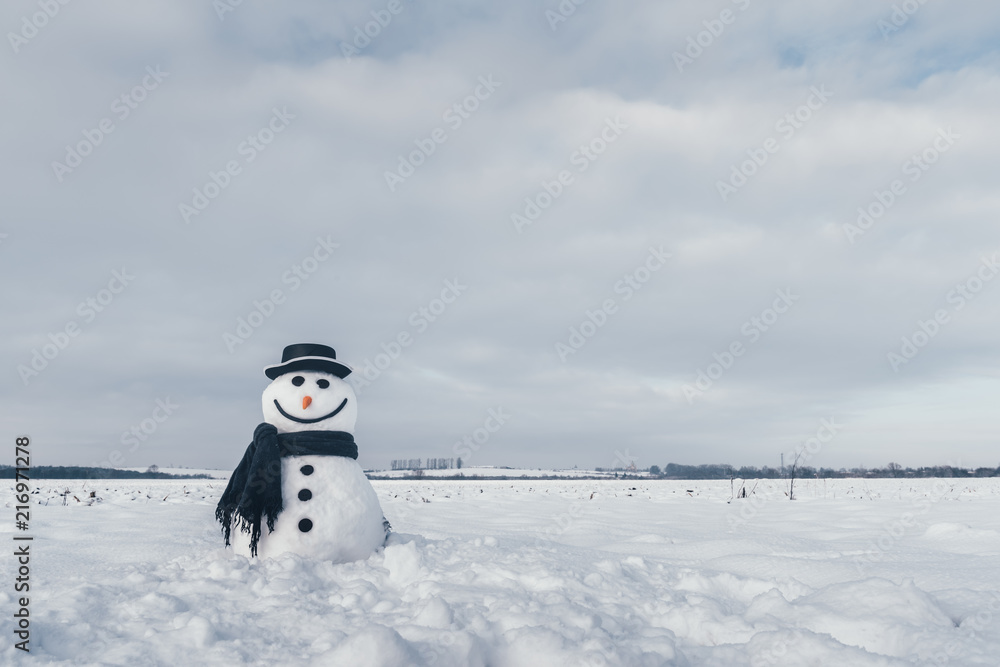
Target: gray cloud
x=323, y=176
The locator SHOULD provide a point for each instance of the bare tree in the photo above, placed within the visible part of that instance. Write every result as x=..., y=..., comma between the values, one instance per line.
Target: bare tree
x=791, y=484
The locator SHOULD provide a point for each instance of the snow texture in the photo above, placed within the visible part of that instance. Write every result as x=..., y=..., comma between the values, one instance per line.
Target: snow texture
x=508, y=573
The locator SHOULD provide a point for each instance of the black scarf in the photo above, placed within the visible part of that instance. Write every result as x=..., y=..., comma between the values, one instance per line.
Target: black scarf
x=255, y=487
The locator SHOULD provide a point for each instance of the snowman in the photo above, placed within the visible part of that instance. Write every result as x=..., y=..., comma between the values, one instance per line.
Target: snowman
x=299, y=488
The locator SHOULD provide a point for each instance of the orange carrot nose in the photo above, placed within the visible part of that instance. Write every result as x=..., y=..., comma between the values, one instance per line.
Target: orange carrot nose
x=306, y=400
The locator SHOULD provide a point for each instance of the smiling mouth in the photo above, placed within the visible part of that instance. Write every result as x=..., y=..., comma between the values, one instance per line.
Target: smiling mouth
x=309, y=421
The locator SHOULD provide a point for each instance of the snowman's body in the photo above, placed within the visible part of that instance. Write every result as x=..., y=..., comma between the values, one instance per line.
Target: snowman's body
x=344, y=517
x=329, y=509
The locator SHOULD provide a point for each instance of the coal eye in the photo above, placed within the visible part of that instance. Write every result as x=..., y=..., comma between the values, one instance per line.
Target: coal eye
x=298, y=380
x=323, y=384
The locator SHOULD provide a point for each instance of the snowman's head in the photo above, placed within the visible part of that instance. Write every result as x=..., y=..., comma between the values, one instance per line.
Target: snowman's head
x=310, y=401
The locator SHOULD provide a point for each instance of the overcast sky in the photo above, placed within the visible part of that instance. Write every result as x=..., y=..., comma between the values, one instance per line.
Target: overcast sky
x=697, y=169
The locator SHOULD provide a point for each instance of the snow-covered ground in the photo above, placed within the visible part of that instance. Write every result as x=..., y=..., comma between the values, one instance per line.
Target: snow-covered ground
x=569, y=572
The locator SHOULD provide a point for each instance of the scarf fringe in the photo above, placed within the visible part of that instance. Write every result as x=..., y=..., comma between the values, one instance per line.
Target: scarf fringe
x=245, y=524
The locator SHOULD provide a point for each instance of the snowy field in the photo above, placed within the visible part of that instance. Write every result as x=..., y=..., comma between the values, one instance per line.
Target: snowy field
x=853, y=573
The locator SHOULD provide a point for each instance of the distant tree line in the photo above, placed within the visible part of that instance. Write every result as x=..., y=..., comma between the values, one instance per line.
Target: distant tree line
x=721, y=471
x=84, y=472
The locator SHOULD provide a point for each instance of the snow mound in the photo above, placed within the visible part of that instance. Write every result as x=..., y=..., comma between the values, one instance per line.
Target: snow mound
x=373, y=646
x=950, y=531
x=874, y=614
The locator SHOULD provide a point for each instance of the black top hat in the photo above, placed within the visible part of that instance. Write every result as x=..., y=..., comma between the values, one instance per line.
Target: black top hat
x=308, y=357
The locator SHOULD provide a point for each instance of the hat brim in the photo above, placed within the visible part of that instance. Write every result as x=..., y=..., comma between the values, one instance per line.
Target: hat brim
x=324, y=364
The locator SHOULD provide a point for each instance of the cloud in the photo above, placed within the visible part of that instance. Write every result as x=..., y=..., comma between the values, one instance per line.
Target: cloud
x=350, y=121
